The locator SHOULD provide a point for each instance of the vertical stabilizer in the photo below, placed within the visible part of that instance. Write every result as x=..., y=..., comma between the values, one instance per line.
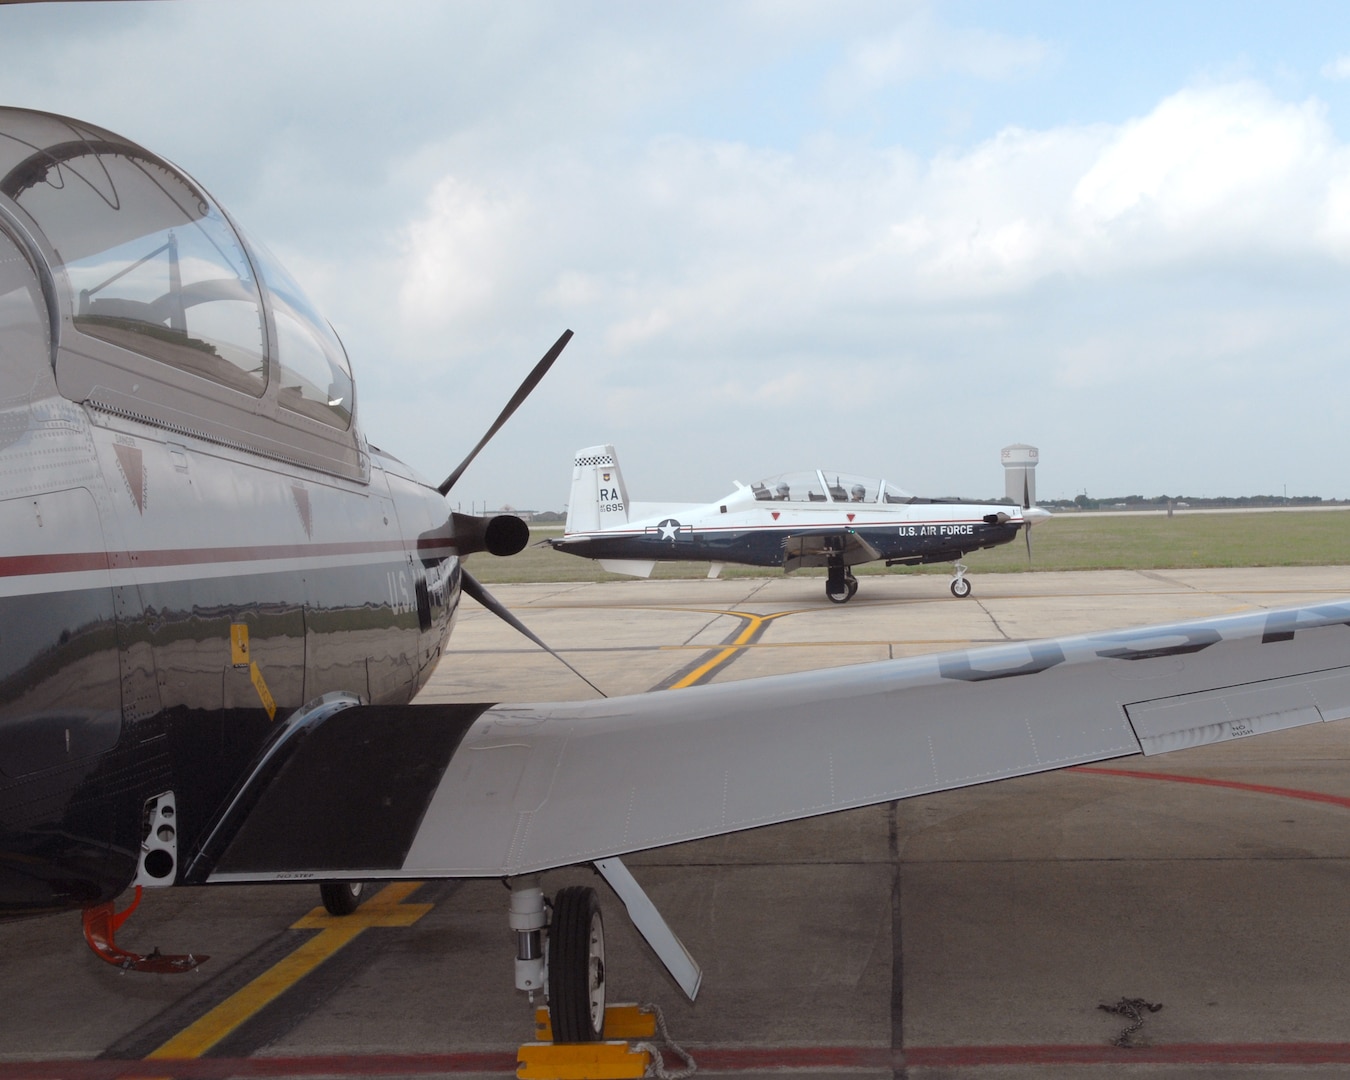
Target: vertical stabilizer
x=599, y=499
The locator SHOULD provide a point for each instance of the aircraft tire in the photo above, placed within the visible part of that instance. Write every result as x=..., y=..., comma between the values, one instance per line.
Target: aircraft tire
x=960, y=588
x=576, y=966
x=341, y=897
x=841, y=597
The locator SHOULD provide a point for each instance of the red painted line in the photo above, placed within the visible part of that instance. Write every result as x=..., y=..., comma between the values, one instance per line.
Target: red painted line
x=24, y=565
x=1175, y=1054
x=748, y=1059
x=710, y=1059
x=1206, y=781
x=28, y=565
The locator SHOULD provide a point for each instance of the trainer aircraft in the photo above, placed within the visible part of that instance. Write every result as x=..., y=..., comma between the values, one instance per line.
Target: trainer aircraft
x=816, y=518
x=218, y=600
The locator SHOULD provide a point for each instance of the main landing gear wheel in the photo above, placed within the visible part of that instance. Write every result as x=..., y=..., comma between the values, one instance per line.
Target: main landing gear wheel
x=960, y=588
x=576, y=966
x=840, y=586
x=341, y=897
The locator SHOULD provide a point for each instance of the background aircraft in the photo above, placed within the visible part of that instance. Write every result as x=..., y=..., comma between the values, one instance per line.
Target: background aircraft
x=818, y=518
x=217, y=600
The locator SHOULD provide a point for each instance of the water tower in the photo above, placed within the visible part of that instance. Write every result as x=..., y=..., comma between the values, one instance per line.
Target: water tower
x=1019, y=473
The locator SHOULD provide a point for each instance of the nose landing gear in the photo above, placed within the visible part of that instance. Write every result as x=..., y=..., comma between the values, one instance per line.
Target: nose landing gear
x=960, y=586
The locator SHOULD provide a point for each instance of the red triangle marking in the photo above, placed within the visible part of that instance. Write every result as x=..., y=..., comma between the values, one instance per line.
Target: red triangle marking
x=851, y=517
x=775, y=514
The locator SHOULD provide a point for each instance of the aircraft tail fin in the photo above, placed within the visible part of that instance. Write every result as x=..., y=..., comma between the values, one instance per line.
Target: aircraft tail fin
x=599, y=498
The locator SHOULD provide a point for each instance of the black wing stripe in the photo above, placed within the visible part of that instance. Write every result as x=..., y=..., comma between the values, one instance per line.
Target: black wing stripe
x=351, y=794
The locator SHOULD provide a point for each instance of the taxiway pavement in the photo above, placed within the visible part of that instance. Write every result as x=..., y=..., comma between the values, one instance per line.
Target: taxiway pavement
x=968, y=933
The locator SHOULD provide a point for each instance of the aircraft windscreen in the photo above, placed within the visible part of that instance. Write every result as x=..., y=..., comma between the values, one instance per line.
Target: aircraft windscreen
x=153, y=266
x=23, y=327
x=316, y=380
x=824, y=485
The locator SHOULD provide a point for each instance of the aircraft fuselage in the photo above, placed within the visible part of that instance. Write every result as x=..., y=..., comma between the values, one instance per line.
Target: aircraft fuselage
x=922, y=533
x=163, y=603
x=195, y=538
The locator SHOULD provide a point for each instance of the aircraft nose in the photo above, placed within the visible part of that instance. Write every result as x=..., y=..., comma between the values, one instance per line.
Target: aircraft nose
x=1034, y=514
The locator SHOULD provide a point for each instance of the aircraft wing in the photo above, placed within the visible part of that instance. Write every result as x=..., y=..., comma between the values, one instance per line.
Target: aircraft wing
x=458, y=791
x=815, y=548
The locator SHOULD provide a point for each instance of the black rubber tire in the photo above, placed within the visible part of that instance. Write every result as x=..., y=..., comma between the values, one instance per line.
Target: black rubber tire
x=341, y=897
x=961, y=588
x=576, y=977
x=842, y=597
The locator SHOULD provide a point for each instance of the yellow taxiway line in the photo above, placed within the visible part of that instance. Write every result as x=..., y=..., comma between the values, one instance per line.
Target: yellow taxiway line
x=754, y=623
x=385, y=908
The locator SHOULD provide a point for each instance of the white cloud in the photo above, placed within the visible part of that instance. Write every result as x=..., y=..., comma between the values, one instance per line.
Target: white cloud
x=701, y=239
x=919, y=45
x=1225, y=164
x=1338, y=69
x=458, y=254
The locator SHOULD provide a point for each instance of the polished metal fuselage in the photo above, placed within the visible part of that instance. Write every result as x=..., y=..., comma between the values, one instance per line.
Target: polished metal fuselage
x=170, y=594
x=119, y=596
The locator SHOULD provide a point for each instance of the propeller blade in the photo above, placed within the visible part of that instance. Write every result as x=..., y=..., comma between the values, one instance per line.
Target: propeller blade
x=531, y=381
x=474, y=588
x=1026, y=505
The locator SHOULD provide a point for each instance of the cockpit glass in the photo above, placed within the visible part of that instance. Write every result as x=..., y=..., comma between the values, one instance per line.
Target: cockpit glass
x=827, y=486
x=153, y=266
x=316, y=380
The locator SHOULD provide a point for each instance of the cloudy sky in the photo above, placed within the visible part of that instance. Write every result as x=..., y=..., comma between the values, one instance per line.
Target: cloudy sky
x=889, y=238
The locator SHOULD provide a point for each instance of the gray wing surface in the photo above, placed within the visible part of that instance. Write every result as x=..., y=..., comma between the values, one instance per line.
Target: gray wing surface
x=530, y=787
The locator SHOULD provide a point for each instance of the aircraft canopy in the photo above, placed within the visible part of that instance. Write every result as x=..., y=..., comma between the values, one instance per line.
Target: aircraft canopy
x=154, y=267
x=827, y=485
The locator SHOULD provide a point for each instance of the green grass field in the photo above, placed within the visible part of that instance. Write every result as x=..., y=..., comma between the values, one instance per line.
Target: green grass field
x=1068, y=542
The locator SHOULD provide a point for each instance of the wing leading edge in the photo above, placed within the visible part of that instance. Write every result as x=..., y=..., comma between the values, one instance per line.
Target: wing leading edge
x=522, y=788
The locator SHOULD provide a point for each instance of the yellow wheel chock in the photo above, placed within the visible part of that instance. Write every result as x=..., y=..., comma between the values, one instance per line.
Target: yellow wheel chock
x=612, y=1059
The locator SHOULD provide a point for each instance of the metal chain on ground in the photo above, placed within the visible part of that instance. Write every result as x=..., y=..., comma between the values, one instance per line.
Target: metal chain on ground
x=658, y=1066
x=1133, y=1010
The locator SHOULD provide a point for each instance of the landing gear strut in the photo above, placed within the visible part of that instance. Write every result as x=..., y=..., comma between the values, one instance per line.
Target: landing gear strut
x=571, y=964
x=960, y=586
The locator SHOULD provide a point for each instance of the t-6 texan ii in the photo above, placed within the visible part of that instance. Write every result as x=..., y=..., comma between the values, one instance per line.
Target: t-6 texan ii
x=816, y=518
x=218, y=600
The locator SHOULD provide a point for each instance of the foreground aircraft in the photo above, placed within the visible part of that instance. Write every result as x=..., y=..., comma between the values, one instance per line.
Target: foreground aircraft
x=820, y=518
x=217, y=601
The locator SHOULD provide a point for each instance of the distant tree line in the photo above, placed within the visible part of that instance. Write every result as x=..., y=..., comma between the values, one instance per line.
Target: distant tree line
x=1161, y=502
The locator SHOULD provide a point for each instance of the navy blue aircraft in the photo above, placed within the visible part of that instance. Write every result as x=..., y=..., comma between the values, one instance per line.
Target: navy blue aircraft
x=218, y=600
x=816, y=518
